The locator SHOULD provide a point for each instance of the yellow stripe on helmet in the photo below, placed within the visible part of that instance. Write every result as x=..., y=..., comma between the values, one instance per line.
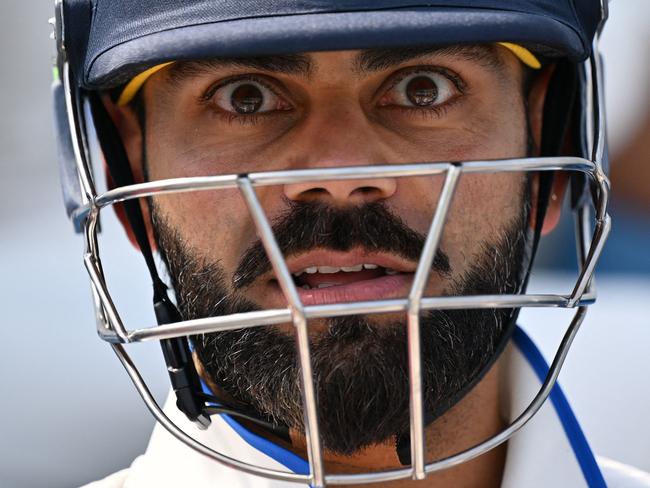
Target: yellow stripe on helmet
x=133, y=86
x=524, y=55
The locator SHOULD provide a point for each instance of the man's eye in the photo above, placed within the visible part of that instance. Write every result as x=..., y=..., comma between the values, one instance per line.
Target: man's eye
x=247, y=97
x=420, y=89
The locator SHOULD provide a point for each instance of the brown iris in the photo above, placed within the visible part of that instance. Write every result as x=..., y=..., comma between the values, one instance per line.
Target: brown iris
x=422, y=91
x=246, y=99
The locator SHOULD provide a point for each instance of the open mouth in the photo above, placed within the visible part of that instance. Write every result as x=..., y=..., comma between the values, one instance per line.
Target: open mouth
x=324, y=277
x=320, y=277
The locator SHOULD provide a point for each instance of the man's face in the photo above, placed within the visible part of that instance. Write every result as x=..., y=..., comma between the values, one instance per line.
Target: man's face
x=343, y=240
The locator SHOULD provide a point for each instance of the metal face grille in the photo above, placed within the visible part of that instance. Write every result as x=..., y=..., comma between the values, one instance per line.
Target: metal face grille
x=111, y=328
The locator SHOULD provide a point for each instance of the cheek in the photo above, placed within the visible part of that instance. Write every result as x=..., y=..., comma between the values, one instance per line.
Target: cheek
x=494, y=141
x=215, y=224
x=484, y=206
x=479, y=130
x=199, y=146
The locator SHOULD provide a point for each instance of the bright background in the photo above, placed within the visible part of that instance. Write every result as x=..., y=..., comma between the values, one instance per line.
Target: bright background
x=69, y=413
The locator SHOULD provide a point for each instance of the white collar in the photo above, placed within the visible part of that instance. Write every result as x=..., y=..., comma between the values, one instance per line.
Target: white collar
x=550, y=450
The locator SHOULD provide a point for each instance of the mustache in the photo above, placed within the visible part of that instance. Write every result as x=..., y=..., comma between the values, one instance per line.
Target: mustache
x=316, y=225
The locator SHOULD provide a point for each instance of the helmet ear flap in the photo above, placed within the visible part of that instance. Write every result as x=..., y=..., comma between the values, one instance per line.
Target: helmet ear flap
x=69, y=178
x=71, y=23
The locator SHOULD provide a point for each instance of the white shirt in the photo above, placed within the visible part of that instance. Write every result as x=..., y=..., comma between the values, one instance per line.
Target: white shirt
x=550, y=451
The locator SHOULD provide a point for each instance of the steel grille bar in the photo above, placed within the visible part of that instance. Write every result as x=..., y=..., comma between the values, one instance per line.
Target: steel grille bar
x=282, y=316
x=603, y=221
x=419, y=169
x=413, y=316
x=600, y=235
x=583, y=231
x=78, y=147
x=96, y=278
x=202, y=183
x=312, y=434
x=598, y=99
x=106, y=312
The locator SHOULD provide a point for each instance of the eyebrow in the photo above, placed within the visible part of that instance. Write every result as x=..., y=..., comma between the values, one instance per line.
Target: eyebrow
x=290, y=64
x=371, y=60
x=367, y=61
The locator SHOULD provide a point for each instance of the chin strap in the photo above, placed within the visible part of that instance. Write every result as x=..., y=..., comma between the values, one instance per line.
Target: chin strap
x=182, y=372
x=558, y=115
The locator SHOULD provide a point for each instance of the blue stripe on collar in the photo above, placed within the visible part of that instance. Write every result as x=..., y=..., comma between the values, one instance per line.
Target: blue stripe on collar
x=579, y=444
x=283, y=456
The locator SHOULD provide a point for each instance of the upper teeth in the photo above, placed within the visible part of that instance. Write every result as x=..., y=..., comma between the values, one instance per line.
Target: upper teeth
x=334, y=269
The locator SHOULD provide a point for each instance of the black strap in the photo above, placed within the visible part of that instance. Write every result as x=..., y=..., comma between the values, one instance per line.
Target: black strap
x=178, y=357
x=120, y=171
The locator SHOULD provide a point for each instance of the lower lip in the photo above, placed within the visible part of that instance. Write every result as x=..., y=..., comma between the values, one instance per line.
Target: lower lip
x=395, y=286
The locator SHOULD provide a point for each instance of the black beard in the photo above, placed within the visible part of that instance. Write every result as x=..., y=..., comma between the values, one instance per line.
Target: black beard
x=360, y=368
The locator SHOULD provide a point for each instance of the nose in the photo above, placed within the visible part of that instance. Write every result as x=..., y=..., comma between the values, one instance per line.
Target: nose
x=342, y=192
x=334, y=144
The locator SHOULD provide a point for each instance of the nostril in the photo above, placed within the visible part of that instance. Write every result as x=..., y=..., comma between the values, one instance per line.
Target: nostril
x=366, y=190
x=314, y=194
x=366, y=194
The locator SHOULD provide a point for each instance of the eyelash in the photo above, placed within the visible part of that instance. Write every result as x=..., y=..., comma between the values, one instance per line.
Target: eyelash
x=427, y=113
x=241, y=119
x=229, y=117
x=452, y=76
